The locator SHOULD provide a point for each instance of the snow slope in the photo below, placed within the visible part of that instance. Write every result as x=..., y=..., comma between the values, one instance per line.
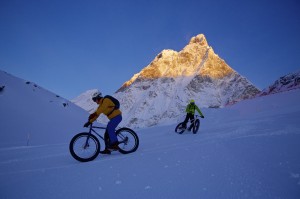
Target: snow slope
x=31, y=115
x=249, y=150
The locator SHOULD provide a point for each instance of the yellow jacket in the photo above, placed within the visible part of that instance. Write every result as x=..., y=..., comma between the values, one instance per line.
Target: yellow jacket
x=105, y=106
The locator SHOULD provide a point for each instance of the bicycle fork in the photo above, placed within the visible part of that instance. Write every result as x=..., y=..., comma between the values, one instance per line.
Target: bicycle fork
x=86, y=145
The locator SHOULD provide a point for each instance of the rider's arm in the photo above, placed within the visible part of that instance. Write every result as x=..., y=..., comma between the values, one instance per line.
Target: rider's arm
x=94, y=116
x=105, y=107
x=200, y=113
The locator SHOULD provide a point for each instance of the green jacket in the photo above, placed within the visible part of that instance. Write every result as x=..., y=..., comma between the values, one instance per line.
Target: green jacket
x=191, y=109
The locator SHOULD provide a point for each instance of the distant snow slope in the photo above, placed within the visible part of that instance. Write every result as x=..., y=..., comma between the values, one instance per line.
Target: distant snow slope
x=31, y=115
x=249, y=150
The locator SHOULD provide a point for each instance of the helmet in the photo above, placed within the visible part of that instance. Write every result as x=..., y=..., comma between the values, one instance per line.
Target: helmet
x=192, y=101
x=97, y=95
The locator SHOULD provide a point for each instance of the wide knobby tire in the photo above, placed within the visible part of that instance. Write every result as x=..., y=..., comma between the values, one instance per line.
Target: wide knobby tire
x=80, y=151
x=196, y=126
x=179, y=128
x=129, y=141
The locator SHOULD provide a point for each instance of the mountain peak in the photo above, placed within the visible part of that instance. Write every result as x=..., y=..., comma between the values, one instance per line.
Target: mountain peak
x=194, y=59
x=160, y=91
x=199, y=39
x=163, y=88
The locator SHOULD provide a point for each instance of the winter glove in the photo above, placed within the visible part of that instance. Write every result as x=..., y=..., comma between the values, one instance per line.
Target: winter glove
x=202, y=116
x=87, y=124
x=92, y=115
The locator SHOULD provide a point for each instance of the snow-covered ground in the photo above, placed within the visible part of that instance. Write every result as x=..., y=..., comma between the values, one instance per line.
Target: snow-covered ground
x=249, y=150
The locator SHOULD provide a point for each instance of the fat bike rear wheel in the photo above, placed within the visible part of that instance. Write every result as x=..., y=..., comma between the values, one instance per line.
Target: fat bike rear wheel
x=180, y=128
x=128, y=140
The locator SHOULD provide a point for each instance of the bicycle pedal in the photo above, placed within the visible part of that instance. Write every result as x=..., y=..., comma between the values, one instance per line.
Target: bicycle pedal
x=105, y=151
x=113, y=149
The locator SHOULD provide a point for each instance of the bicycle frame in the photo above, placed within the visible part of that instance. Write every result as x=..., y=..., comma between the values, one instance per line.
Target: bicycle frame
x=96, y=127
x=194, y=120
x=100, y=136
x=90, y=132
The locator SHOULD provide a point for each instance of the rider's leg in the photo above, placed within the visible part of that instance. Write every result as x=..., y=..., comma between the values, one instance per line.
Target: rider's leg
x=106, y=141
x=106, y=138
x=185, y=120
x=111, y=129
x=191, y=116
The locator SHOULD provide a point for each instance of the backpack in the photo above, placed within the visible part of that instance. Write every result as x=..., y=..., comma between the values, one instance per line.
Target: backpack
x=114, y=100
x=191, y=107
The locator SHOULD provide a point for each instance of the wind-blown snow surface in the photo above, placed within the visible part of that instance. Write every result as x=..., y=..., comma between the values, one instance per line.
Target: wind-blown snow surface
x=249, y=150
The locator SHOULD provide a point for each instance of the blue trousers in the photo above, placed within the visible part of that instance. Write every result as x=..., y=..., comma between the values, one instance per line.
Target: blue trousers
x=111, y=128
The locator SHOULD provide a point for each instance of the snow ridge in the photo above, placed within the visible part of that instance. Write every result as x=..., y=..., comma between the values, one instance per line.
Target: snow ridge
x=285, y=83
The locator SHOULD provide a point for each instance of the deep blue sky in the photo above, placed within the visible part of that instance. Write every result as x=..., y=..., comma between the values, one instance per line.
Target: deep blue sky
x=70, y=46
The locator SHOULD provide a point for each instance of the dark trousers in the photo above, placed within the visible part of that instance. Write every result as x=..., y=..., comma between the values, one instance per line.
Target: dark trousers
x=110, y=136
x=188, y=117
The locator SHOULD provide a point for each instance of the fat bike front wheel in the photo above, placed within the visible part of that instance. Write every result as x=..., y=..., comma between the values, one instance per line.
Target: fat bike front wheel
x=196, y=126
x=84, y=147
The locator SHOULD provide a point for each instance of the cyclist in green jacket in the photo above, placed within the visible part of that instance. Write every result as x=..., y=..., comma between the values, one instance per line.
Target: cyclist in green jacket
x=190, y=110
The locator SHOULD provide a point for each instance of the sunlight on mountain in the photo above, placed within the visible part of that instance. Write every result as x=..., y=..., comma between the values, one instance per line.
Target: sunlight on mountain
x=197, y=58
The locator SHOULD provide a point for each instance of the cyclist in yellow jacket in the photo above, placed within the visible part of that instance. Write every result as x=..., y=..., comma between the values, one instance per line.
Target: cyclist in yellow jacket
x=190, y=110
x=107, y=107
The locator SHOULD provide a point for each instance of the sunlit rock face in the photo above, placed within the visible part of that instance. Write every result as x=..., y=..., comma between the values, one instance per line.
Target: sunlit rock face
x=197, y=58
